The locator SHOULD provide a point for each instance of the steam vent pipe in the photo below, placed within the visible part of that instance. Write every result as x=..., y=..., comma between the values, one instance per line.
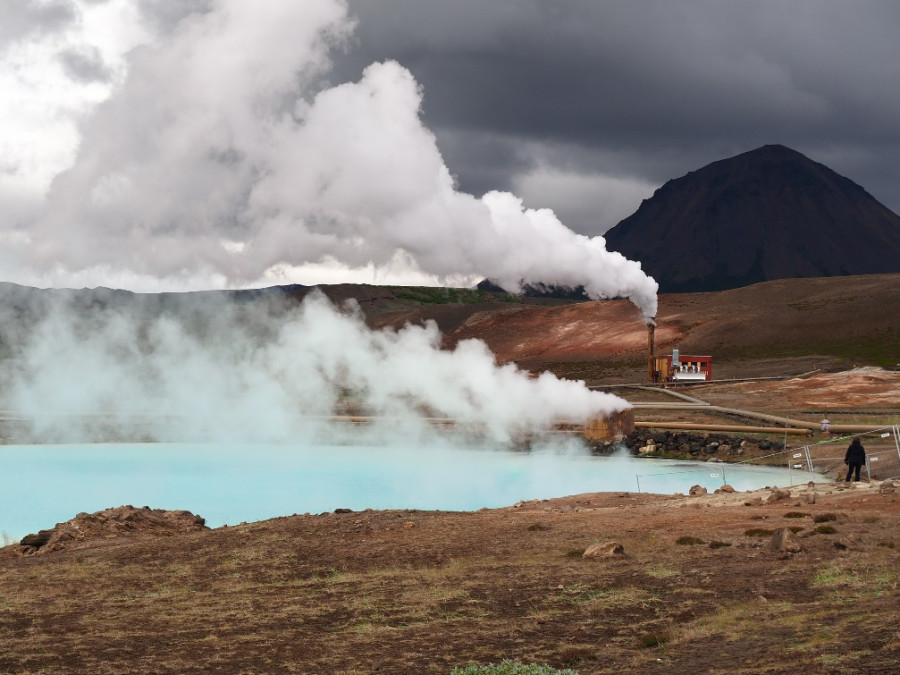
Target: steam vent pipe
x=651, y=338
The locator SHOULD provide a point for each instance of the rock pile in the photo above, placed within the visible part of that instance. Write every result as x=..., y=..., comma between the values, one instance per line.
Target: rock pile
x=89, y=529
x=688, y=444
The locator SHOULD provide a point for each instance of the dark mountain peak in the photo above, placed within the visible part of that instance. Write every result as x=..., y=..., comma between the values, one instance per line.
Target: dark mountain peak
x=770, y=213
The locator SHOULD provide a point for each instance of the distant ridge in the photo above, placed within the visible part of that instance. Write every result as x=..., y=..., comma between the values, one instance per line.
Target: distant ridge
x=767, y=214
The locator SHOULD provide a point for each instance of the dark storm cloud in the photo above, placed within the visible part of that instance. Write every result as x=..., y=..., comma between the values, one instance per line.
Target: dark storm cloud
x=20, y=18
x=164, y=15
x=85, y=64
x=646, y=89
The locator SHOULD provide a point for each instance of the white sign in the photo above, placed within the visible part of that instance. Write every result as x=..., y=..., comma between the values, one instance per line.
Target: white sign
x=885, y=435
x=798, y=466
x=798, y=454
x=873, y=459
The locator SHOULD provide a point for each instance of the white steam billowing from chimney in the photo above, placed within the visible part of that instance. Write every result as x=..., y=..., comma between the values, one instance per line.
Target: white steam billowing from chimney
x=219, y=155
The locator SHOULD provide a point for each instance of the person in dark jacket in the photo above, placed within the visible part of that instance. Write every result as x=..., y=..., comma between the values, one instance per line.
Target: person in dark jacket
x=855, y=458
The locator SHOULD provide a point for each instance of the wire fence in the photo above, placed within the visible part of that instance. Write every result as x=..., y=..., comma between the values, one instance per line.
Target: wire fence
x=824, y=459
x=882, y=454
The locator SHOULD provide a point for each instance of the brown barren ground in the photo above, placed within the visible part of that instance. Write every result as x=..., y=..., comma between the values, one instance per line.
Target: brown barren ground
x=699, y=589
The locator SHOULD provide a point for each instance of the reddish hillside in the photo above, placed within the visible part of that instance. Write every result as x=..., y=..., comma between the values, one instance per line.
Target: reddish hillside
x=824, y=322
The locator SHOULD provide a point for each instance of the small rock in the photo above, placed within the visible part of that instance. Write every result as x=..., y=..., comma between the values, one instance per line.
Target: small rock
x=778, y=495
x=808, y=497
x=609, y=549
x=725, y=488
x=756, y=501
x=783, y=540
x=697, y=491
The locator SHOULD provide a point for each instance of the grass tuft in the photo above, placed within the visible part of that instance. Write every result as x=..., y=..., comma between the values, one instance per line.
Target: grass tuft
x=508, y=667
x=650, y=640
x=687, y=540
x=758, y=532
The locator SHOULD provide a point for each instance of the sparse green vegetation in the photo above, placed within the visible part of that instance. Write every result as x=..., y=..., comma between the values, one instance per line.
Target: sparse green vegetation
x=435, y=295
x=688, y=541
x=656, y=639
x=758, y=532
x=878, y=349
x=508, y=667
x=347, y=593
x=824, y=517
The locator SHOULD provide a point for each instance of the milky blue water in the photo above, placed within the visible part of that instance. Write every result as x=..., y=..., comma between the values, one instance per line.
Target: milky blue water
x=43, y=485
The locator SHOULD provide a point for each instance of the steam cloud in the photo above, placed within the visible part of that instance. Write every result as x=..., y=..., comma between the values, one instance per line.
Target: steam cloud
x=221, y=371
x=223, y=155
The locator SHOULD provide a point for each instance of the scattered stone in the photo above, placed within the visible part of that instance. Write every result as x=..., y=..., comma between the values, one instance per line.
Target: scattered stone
x=648, y=449
x=778, y=495
x=697, y=491
x=784, y=541
x=887, y=487
x=343, y=510
x=609, y=549
x=755, y=501
x=725, y=488
x=808, y=497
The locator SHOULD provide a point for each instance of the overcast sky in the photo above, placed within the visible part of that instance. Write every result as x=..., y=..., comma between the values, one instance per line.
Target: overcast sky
x=589, y=105
x=216, y=142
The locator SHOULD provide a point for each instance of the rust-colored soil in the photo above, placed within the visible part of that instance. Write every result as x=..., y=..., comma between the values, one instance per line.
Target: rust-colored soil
x=699, y=589
x=773, y=328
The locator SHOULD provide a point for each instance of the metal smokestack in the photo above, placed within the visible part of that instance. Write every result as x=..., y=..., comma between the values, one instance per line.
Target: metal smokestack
x=651, y=349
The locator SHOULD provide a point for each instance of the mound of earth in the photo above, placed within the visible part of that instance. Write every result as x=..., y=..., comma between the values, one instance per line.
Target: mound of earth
x=88, y=530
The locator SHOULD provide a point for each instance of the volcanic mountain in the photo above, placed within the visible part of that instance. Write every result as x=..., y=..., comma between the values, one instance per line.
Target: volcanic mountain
x=767, y=214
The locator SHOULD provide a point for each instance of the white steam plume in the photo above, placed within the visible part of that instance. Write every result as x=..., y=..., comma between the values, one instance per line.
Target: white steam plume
x=244, y=373
x=219, y=155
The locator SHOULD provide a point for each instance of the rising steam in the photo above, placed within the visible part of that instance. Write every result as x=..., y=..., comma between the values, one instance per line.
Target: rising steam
x=220, y=371
x=222, y=157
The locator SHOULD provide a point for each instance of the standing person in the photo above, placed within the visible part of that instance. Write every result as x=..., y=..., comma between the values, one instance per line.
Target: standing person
x=854, y=459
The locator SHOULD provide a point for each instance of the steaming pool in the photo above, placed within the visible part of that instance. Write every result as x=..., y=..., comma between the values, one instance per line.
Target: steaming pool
x=47, y=484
